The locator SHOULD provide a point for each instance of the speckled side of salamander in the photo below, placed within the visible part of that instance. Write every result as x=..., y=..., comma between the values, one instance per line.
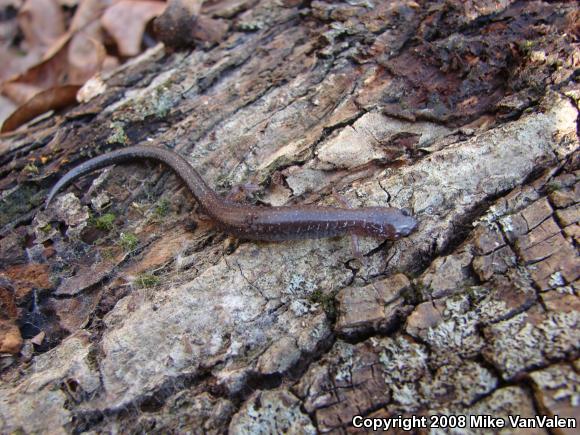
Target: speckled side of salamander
x=258, y=222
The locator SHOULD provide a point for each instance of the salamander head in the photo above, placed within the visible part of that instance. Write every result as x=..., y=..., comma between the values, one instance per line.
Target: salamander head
x=388, y=223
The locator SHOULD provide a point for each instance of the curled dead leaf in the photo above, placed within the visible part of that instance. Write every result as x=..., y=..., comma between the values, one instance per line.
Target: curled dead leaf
x=73, y=58
x=20, y=92
x=42, y=75
x=41, y=22
x=87, y=12
x=15, y=62
x=6, y=108
x=50, y=99
x=85, y=57
x=126, y=20
x=86, y=19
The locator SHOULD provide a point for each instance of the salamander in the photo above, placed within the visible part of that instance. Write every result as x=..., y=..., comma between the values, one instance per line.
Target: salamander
x=258, y=222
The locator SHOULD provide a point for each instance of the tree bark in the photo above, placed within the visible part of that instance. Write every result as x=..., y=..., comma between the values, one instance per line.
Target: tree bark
x=123, y=309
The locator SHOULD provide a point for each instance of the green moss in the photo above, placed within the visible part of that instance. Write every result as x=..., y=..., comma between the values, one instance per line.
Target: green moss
x=30, y=168
x=162, y=102
x=158, y=105
x=128, y=241
x=475, y=293
x=162, y=208
x=415, y=294
x=46, y=229
x=37, y=198
x=118, y=134
x=93, y=358
x=105, y=222
x=18, y=202
x=327, y=301
x=107, y=253
x=526, y=46
x=553, y=186
x=146, y=280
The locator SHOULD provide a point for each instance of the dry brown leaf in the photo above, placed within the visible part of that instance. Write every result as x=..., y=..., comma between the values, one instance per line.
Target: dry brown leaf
x=126, y=20
x=43, y=75
x=57, y=46
x=72, y=59
x=20, y=92
x=54, y=81
x=6, y=108
x=41, y=21
x=14, y=62
x=51, y=99
x=87, y=12
x=85, y=57
x=73, y=56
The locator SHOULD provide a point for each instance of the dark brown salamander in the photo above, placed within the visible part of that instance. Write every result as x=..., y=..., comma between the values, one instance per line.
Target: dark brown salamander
x=257, y=222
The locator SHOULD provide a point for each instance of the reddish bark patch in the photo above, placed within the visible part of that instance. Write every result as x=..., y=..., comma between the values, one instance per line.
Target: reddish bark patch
x=27, y=277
